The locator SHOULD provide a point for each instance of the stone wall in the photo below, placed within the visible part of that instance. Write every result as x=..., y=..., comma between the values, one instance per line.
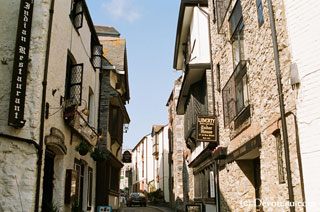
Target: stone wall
x=182, y=175
x=236, y=187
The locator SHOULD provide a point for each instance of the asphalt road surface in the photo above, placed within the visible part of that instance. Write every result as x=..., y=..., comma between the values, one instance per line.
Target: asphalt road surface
x=138, y=209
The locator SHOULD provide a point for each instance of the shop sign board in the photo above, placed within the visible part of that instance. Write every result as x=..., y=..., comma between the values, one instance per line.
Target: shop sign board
x=206, y=129
x=193, y=208
x=20, y=65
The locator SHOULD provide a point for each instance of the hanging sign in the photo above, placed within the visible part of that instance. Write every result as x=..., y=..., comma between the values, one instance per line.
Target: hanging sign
x=206, y=129
x=126, y=157
x=20, y=65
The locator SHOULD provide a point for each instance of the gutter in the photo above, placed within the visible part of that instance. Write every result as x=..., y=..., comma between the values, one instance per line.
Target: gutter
x=28, y=141
x=282, y=106
x=43, y=103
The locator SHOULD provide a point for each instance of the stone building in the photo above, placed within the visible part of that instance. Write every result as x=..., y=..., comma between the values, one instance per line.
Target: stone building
x=52, y=112
x=195, y=101
x=113, y=116
x=178, y=149
x=255, y=107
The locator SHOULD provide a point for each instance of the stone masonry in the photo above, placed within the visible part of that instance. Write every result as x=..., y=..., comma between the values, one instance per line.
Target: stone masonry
x=181, y=185
x=236, y=187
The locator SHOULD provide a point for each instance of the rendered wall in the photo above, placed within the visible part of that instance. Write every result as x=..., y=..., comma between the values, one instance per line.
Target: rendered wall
x=17, y=159
x=303, y=32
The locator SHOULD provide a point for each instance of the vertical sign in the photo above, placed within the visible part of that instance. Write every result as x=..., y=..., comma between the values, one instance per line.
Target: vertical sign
x=20, y=65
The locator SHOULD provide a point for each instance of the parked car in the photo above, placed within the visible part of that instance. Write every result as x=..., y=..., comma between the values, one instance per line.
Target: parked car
x=137, y=199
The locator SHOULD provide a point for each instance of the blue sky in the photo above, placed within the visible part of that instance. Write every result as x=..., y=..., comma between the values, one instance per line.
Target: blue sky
x=149, y=26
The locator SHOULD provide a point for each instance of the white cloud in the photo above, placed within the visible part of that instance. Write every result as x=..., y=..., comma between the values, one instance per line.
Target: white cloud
x=122, y=9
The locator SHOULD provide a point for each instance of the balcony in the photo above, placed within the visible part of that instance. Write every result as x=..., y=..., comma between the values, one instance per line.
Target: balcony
x=78, y=123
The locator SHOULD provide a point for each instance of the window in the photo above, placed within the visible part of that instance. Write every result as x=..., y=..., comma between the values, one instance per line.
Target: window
x=96, y=53
x=257, y=181
x=236, y=28
x=195, y=105
x=89, y=195
x=204, y=184
x=116, y=124
x=218, y=77
x=222, y=8
x=235, y=92
x=281, y=173
x=91, y=108
x=73, y=91
x=260, y=12
x=79, y=167
x=77, y=13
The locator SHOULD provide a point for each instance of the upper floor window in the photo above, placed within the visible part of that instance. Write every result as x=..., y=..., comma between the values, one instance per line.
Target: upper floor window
x=221, y=11
x=236, y=28
x=74, y=75
x=96, y=53
x=235, y=92
x=116, y=124
x=260, y=12
x=91, y=118
x=77, y=13
x=196, y=104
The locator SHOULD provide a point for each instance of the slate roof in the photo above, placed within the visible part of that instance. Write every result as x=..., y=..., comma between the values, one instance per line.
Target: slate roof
x=114, y=49
x=106, y=31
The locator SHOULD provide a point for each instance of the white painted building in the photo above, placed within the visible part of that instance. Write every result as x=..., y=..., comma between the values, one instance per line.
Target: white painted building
x=303, y=33
x=160, y=152
x=142, y=172
x=150, y=161
x=40, y=162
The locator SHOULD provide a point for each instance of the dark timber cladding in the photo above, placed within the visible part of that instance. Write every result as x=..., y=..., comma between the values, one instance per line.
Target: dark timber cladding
x=20, y=65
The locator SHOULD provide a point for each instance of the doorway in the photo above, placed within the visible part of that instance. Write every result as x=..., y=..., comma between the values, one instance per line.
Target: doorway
x=48, y=181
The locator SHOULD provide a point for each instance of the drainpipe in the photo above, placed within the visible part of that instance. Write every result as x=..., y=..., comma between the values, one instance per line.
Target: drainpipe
x=216, y=166
x=282, y=109
x=299, y=157
x=43, y=103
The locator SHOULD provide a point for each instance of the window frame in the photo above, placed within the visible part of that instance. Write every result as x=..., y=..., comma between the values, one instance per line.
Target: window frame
x=72, y=81
x=260, y=12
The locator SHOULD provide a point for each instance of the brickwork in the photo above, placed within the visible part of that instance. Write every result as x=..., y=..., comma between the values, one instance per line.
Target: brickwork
x=236, y=186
